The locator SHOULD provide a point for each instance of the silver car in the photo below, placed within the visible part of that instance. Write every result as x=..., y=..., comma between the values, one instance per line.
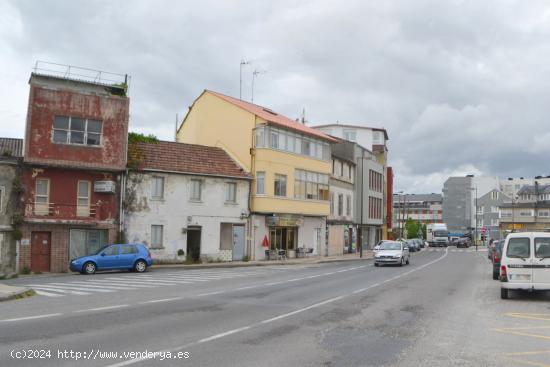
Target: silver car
x=392, y=252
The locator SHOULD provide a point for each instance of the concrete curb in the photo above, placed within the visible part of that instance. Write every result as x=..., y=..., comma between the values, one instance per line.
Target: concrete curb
x=8, y=293
x=251, y=264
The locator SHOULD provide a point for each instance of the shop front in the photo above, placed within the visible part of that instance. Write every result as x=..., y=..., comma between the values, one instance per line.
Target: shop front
x=283, y=232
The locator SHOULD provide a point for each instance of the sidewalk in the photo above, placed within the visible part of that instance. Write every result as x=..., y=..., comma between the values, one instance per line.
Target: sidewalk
x=367, y=254
x=8, y=292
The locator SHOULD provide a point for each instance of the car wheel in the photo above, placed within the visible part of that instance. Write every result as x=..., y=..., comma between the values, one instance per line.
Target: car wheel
x=376, y=264
x=408, y=260
x=89, y=268
x=140, y=266
x=503, y=293
x=495, y=275
x=401, y=263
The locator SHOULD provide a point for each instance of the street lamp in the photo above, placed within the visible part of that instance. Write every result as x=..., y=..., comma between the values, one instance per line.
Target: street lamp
x=401, y=212
x=475, y=221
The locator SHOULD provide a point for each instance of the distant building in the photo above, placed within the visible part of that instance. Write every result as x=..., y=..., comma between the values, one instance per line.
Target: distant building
x=424, y=208
x=530, y=212
x=187, y=197
x=487, y=214
x=459, y=201
x=11, y=155
x=511, y=185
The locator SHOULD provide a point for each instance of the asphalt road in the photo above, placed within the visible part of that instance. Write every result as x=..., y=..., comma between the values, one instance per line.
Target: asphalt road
x=442, y=310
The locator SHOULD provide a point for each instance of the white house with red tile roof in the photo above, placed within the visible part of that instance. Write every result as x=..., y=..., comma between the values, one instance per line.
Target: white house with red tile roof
x=186, y=197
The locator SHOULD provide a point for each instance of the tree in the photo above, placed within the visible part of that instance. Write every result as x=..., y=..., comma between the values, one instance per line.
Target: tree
x=411, y=228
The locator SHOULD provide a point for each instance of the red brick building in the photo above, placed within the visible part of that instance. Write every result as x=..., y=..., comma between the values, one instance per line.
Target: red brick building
x=74, y=156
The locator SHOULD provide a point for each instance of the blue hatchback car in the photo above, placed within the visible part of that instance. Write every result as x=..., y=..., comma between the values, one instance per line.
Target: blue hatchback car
x=111, y=257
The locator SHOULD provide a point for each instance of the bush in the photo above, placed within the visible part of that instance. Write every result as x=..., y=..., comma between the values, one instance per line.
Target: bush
x=245, y=258
x=25, y=270
x=181, y=252
x=188, y=259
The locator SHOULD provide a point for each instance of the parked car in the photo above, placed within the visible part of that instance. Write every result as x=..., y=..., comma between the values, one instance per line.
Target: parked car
x=495, y=258
x=392, y=252
x=134, y=257
x=525, y=262
x=413, y=246
x=462, y=242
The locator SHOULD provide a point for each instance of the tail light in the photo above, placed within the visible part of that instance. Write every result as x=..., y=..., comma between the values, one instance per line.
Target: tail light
x=503, y=273
x=496, y=258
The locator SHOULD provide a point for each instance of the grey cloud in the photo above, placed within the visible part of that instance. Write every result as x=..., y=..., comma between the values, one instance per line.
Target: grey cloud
x=461, y=86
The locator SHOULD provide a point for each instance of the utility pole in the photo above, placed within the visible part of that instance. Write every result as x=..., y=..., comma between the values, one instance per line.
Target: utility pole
x=362, y=185
x=243, y=63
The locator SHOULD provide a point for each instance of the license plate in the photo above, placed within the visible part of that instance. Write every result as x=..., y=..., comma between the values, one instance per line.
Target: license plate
x=520, y=277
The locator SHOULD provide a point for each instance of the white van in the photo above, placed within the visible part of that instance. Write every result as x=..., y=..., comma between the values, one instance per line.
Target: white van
x=525, y=262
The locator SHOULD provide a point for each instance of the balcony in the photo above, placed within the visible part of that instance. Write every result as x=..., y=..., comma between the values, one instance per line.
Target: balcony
x=57, y=211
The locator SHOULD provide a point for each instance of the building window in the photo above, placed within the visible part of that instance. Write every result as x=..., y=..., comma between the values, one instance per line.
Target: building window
x=231, y=192
x=479, y=223
x=310, y=185
x=525, y=213
x=348, y=205
x=42, y=200
x=83, y=199
x=506, y=214
x=280, y=185
x=494, y=222
x=76, y=130
x=480, y=209
x=350, y=135
x=544, y=213
x=260, y=183
x=340, y=204
x=494, y=195
x=280, y=139
x=196, y=190
x=156, y=236
x=332, y=203
x=157, y=188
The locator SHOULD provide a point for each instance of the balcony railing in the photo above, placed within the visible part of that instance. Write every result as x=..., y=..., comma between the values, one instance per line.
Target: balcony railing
x=62, y=211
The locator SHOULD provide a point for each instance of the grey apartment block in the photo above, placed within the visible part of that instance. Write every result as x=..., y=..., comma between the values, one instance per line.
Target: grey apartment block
x=365, y=161
x=487, y=213
x=457, y=204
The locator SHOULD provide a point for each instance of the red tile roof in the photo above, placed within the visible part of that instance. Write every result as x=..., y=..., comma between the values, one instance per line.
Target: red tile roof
x=272, y=117
x=185, y=158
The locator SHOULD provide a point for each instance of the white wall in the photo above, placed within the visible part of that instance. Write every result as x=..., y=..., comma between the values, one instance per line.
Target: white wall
x=174, y=209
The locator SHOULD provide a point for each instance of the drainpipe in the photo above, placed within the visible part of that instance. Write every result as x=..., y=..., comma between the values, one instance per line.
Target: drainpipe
x=122, y=197
x=362, y=203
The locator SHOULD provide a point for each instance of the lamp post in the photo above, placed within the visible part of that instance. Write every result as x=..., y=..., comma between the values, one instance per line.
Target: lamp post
x=475, y=220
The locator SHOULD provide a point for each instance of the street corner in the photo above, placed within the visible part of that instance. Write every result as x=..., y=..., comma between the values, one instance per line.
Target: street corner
x=534, y=335
x=8, y=292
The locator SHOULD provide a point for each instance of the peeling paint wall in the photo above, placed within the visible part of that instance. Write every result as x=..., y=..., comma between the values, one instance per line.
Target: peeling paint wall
x=175, y=211
x=7, y=243
x=49, y=98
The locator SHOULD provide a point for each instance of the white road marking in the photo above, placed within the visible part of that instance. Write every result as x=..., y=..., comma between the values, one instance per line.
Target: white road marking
x=31, y=317
x=210, y=293
x=78, y=287
x=161, y=300
x=102, y=308
x=273, y=283
x=221, y=335
x=47, y=294
x=249, y=287
x=52, y=289
x=103, y=286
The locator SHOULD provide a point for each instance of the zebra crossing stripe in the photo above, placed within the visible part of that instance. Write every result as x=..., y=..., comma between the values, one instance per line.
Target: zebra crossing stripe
x=47, y=294
x=121, y=284
x=74, y=287
x=102, y=286
x=50, y=289
x=149, y=282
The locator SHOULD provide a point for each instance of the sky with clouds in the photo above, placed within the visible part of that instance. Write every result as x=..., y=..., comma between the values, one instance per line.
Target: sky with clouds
x=461, y=86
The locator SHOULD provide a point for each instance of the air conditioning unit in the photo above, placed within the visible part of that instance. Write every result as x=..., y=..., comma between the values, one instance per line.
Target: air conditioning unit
x=105, y=186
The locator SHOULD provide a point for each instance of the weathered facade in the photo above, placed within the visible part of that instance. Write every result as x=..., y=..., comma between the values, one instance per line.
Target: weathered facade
x=10, y=208
x=189, y=199
x=487, y=214
x=75, y=152
x=529, y=212
x=369, y=188
x=342, y=234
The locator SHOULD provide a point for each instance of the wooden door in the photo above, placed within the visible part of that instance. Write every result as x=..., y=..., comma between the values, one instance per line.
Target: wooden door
x=40, y=251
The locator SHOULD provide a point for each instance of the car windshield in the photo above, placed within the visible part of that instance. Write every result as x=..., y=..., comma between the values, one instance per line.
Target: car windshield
x=441, y=233
x=390, y=246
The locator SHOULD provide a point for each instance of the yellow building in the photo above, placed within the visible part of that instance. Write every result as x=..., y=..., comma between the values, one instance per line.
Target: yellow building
x=290, y=163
